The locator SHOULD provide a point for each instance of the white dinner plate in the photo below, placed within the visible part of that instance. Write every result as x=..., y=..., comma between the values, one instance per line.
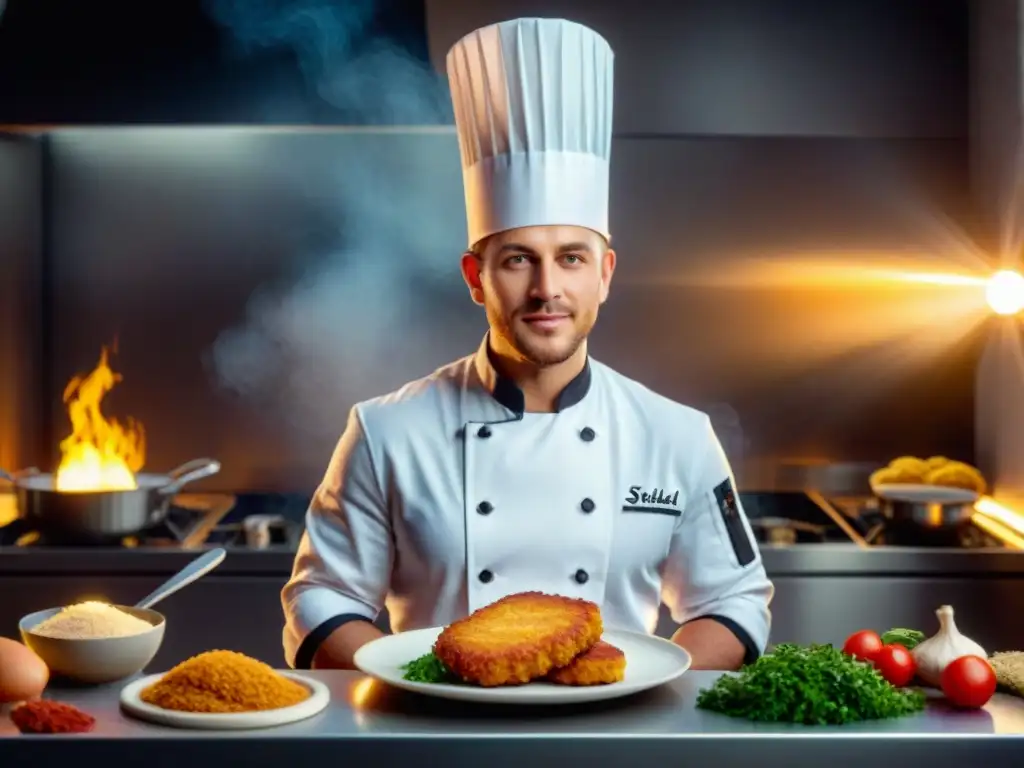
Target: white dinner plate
x=925, y=494
x=319, y=698
x=650, y=662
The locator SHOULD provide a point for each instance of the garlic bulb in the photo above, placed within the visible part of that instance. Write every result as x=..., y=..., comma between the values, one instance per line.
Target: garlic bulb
x=934, y=654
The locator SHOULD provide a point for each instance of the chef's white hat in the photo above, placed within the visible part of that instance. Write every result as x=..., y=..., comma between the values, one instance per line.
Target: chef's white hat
x=533, y=110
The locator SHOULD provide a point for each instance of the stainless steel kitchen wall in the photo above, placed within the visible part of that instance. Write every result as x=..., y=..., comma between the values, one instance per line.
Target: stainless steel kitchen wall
x=21, y=300
x=997, y=180
x=868, y=68
x=261, y=282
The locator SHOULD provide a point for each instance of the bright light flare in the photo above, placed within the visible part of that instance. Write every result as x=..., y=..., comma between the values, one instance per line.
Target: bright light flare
x=1005, y=292
x=1000, y=521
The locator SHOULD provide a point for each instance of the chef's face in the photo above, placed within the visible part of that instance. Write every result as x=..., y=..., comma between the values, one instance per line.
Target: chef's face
x=541, y=288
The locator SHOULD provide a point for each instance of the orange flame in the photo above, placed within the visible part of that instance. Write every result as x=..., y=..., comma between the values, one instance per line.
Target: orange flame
x=100, y=454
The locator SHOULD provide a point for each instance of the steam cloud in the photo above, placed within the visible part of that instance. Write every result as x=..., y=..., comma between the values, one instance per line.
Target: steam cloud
x=350, y=65
x=351, y=327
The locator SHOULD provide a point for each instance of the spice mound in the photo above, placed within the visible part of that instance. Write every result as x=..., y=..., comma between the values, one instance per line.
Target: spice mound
x=45, y=716
x=91, y=620
x=223, y=682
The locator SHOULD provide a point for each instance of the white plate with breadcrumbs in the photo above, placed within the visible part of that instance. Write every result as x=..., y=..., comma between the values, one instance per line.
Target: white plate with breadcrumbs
x=133, y=705
x=650, y=662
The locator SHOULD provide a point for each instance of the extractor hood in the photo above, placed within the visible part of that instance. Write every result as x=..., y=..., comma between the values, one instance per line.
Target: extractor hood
x=280, y=62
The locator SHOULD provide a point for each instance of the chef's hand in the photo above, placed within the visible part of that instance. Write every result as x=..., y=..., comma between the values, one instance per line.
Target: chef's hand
x=711, y=645
x=337, y=651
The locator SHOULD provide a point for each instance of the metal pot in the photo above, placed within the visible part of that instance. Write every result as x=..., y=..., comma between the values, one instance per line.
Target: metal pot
x=927, y=508
x=102, y=515
x=930, y=515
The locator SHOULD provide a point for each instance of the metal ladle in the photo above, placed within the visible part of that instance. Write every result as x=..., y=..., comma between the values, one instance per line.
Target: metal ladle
x=195, y=570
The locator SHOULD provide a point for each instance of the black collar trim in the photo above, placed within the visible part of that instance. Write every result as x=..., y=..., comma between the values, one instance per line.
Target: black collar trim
x=508, y=393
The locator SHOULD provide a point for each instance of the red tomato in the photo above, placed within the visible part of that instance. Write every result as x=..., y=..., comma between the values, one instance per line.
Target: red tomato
x=863, y=645
x=968, y=682
x=896, y=664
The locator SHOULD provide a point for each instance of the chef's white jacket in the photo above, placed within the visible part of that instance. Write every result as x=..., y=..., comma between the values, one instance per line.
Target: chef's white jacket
x=445, y=496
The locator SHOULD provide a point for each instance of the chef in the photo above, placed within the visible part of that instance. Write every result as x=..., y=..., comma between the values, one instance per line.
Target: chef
x=529, y=465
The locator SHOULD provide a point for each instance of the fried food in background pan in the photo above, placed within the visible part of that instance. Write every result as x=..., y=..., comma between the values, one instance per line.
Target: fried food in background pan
x=894, y=476
x=601, y=665
x=911, y=466
x=956, y=474
x=519, y=638
x=937, y=470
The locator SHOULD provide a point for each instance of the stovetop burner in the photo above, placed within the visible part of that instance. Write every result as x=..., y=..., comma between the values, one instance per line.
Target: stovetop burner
x=779, y=530
x=809, y=518
x=965, y=536
x=252, y=520
x=261, y=520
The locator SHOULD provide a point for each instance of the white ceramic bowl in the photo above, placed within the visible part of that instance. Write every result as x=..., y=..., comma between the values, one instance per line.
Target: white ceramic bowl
x=96, y=661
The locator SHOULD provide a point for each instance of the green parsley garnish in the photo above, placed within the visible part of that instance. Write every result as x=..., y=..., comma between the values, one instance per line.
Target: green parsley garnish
x=428, y=669
x=816, y=685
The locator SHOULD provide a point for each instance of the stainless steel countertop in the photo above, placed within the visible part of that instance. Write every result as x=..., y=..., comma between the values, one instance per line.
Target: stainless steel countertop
x=780, y=561
x=370, y=720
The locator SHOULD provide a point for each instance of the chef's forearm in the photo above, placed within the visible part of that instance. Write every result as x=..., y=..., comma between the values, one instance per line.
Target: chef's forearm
x=711, y=645
x=337, y=650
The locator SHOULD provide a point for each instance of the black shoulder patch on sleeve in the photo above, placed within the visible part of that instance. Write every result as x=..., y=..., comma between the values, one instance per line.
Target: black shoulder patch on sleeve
x=729, y=508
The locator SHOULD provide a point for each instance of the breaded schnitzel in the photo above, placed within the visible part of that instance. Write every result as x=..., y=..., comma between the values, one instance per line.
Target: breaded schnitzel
x=519, y=638
x=601, y=665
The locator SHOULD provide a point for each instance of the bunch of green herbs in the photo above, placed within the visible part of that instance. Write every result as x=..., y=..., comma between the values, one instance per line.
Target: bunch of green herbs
x=428, y=669
x=813, y=685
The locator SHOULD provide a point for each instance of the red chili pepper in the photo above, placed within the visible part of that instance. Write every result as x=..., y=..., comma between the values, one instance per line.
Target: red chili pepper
x=45, y=716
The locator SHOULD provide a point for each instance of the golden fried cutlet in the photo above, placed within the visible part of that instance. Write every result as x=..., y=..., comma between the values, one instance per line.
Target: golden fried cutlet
x=601, y=665
x=519, y=638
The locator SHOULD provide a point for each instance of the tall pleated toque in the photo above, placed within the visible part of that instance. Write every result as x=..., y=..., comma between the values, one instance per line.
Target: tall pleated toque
x=533, y=111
